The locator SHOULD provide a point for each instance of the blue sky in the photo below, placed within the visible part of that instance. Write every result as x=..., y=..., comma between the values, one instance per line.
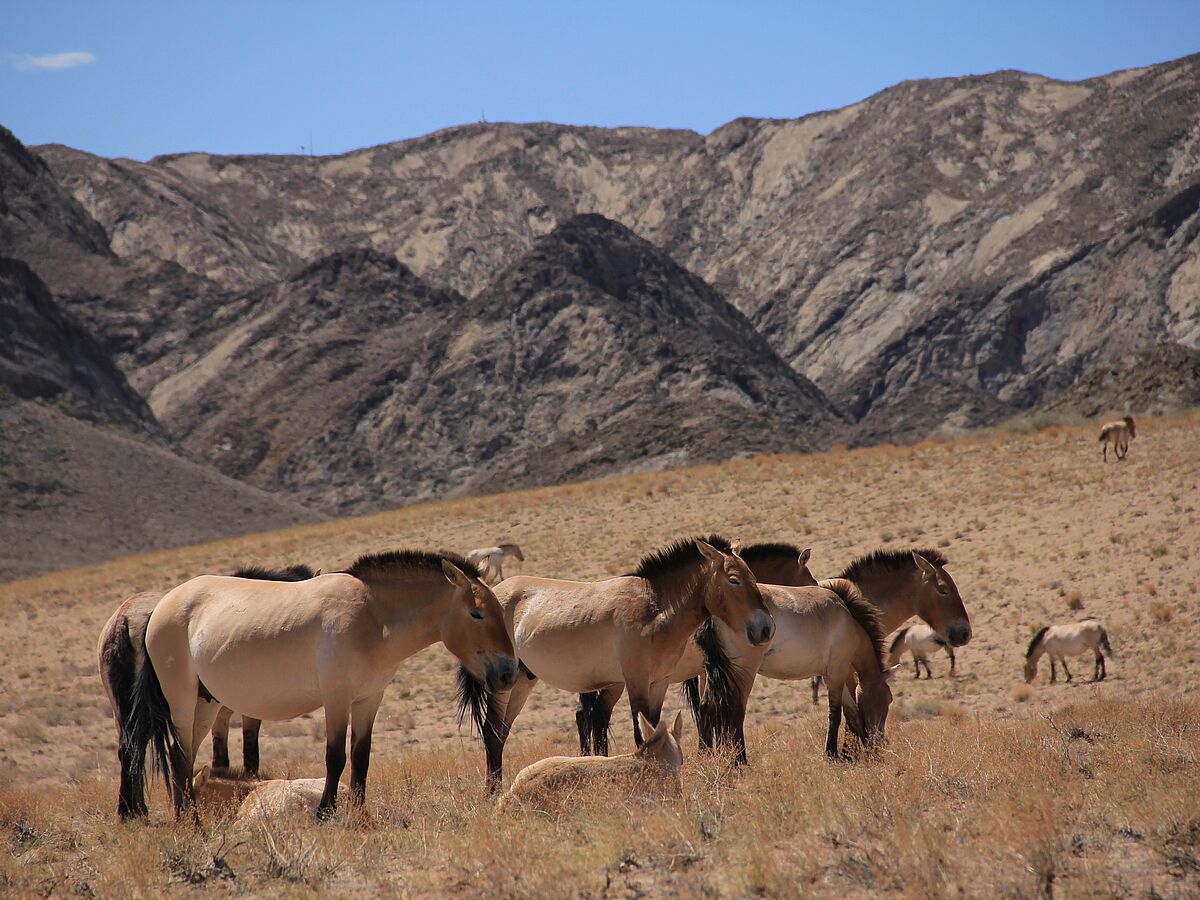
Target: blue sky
x=138, y=79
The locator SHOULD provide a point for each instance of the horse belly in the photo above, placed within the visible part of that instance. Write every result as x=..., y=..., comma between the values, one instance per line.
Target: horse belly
x=578, y=661
x=266, y=679
x=793, y=652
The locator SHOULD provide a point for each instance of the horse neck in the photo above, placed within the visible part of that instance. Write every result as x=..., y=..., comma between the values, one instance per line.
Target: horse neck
x=679, y=602
x=891, y=593
x=410, y=608
x=864, y=660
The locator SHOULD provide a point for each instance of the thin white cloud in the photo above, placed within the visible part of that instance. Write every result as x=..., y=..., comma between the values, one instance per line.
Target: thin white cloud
x=52, y=61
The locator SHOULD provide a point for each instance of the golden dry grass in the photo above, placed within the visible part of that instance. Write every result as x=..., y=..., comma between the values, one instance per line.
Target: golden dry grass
x=986, y=787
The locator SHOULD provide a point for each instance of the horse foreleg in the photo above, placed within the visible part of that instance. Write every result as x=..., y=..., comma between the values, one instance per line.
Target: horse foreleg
x=816, y=690
x=950, y=653
x=1053, y=671
x=583, y=721
x=250, y=730
x=1065, y=669
x=502, y=710
x=646, y=699
x=603, y=712
x=917, y=666
x=1106, y=451
x=362, y=721
x=928, y=671
x=220, y=738
x=835, y=719
x=337, y=720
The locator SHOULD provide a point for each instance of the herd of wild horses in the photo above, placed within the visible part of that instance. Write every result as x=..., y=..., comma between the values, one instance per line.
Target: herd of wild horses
x=703, y=613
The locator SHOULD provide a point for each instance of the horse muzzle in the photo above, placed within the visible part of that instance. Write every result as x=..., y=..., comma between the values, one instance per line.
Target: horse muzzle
x=959, y=633
x=760, y=628
x=501, y=674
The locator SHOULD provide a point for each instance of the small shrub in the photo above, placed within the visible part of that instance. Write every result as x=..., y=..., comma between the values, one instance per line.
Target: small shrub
x=1161, y=612
x=1022, y=692
x=1074, y=600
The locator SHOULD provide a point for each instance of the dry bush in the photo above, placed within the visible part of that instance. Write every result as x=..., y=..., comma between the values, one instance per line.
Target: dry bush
x=1074, y=600
x=1161, y=612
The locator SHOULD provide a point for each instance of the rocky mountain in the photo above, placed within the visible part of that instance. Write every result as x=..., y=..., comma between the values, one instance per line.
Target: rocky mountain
x=354, y=385
x=937, y=254
x=1156, y=381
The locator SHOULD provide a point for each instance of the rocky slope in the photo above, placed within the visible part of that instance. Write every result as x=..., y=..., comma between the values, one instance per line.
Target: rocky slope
x=354, y=385
x=934, y=255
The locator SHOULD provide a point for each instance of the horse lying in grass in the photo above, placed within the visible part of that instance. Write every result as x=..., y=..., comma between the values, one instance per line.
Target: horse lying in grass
x=1060, y=641
x=1119, y=433
x=276, y=651
x=920, y=640
x=619, y=634
x=650, y=772
x=122, y=653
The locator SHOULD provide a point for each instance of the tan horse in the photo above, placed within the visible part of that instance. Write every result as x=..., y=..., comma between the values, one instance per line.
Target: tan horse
x=490, y=560
x=121, y=653
x=771, y=563
x=277, y=651
x=1061, y=641
x=829, y=630
x=624, y=633
x=901, y=584
x=1119, y=433
x=650, y=772
x=920, y=640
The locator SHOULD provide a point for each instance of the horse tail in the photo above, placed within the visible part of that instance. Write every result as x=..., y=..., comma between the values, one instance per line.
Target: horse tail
x=1105, y=646
x=471, y=695
x=593, y=724
x=722, y=696
x=690, y=691
x=149, y=724
x=119, y=671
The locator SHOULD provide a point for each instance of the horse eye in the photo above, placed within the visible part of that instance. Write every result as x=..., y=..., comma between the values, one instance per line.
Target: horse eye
x=733, y=579
x=476, y=614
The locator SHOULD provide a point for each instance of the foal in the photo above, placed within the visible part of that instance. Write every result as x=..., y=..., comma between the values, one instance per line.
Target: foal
x=490, y=560
x=1061, y=641
x=1120, y=433
x=920, y=640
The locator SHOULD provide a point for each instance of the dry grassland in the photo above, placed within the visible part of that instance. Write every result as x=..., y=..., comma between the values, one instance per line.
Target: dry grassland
x=987, y=786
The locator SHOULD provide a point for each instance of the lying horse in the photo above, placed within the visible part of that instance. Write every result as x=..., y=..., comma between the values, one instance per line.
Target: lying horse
x=122, y=652
x=920, y=640
x=277, y=651
x=624, y=633
x=1061, y=641
x=1119, y=433
x=650, y=772
x=490, y=560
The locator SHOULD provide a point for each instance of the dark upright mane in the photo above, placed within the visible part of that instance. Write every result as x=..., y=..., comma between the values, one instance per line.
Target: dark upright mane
x=676, y=555
x=414, y=560
x=757, y=552
x=261, y=573
x=1037, y=639
x=864, y=614
x=883, y=562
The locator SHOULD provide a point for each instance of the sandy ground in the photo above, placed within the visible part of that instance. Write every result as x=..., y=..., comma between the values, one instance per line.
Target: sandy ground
x=1032, y=520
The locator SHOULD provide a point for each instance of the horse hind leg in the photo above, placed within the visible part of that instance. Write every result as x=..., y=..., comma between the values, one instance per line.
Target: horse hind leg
x=220, y=739
x=1065, y=669
x=603, y=716
x=250, y=731
x=816, y=690
x=1053, y=671
x=337, y=721
x=835, y=719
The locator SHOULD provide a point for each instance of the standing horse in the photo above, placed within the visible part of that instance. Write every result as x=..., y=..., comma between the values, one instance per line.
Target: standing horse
x=901, y=584
x=920, y=640
x=277, y=651
x=490, y=560
x=829, y=630
x=624, y=633
x=771, y=563
x=1061, y=641
x=1119, y=433
x=122, y=652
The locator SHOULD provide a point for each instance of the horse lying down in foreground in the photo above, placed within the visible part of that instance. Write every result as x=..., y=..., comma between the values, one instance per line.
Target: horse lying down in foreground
x=559, y=783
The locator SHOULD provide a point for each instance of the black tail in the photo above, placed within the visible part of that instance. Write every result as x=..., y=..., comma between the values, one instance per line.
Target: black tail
x=472, y=697
x=690, y=691
x=722, y=696
x=149, y=724
x=1105, y=646
x=593, y=721
x=118, y=662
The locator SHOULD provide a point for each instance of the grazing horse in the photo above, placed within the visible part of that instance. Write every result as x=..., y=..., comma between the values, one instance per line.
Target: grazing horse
x=650, y=772
x=771, y=563
x=122, y=652
x=828, y=630
x=277, y=651
x=901, y=584
x=623, y=633
x=1119, y=433
x=490, y=560
x=1061, y=641
x=920, y=640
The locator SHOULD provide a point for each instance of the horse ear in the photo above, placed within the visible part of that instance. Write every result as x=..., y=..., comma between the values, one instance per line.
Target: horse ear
x=711, y=553
x=646, y=728
x=890, y=672
x=924, y=566
x=804, y=555
x=318, y=572
x=454, y=574
x=677, y=727
x=736, y=545
x=200, y=779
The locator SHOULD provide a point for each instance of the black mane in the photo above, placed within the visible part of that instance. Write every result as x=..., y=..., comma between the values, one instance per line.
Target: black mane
x=758, y=552
x=261, y=573
x=885, y=561
x=1037, y=639
x=416, y=560
x=676, y=555
x=866, y=615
